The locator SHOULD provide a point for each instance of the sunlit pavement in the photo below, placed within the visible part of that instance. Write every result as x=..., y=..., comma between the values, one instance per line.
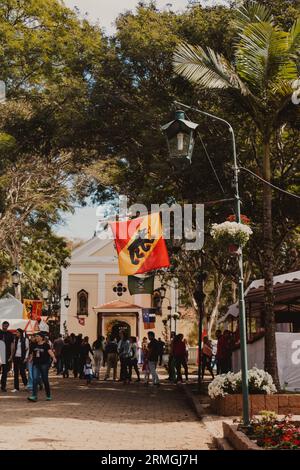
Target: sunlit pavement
x=104, y=415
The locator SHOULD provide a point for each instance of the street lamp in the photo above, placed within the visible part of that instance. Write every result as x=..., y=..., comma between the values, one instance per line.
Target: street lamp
x=45, y=294
x=173, y=130
x=67, y=301
x=180, y=136
x=162, y=292
x=176, y=317
x=16, y=277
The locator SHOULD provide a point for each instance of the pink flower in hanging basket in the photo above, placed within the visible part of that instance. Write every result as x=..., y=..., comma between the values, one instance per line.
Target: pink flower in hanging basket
x=233, y=249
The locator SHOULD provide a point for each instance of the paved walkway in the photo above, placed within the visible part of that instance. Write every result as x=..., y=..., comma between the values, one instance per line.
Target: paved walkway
x=102, y=416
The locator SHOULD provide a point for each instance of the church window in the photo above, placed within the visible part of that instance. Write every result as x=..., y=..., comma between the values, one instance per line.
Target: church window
x=82, y=302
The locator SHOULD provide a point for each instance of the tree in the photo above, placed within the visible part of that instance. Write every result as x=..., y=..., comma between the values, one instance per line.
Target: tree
x=260, y=81
x=47, y=59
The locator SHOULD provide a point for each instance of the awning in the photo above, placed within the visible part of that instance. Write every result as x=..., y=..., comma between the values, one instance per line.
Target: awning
x=286, y=290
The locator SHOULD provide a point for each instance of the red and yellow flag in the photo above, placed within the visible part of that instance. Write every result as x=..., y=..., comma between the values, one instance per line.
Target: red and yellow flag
x=32, y=309
x=140, y=245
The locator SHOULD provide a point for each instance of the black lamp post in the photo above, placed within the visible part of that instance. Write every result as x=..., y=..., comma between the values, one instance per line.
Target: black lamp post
x=53, y=301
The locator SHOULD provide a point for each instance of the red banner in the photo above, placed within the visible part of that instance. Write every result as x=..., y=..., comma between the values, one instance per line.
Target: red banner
x=32, y=309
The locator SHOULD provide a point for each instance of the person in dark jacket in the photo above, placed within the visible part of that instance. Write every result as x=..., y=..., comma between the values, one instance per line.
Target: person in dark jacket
x=8, y=339
x=85, y=351
x=20, y=357
x=111, y=353
x=75, y=343
x=179, y=354
x=66, y=355
x=153, y=355
x=161, y=350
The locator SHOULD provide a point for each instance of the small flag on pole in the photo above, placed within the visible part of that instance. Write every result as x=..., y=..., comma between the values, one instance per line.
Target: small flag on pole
x=140, y=285
x=140, y=245
x=149, y=318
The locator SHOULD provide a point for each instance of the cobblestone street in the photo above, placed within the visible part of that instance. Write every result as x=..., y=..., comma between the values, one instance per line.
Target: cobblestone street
x=104, y=415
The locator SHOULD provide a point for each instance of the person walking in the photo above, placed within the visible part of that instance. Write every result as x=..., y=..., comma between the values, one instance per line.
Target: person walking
x=32, y=340
x=84, y=352
x=20, y=357
x=8, y=339
x=111, y=353
x=145, y=367
x=40, y=354
x=66, y=356
x=133, y=362
x=179, y=354
x=98, y=348
x=161, y=350
x=75, y=343
x=124, y=355
x=153, y=354
x=58, y=344
x=207, y=353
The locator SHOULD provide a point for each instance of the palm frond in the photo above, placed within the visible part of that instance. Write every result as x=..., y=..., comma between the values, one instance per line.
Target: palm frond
x=206, y=67
x=252, y=12
x=294, y=40
x=262, y=54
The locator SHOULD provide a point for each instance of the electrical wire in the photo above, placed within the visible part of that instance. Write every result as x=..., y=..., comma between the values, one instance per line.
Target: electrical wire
x=212, y=165
x=268, y=183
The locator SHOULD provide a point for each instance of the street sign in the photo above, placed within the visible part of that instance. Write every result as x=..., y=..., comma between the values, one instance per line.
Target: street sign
x=2, y=92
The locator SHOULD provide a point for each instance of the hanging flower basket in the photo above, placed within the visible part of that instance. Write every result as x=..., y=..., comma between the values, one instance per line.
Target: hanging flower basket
x=232, y=234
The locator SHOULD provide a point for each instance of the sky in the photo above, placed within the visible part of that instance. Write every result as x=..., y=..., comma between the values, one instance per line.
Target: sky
x=84, y=222
x=105, y=11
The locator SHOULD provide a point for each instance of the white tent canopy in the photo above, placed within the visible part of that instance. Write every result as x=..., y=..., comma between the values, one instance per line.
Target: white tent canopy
x=29, y=326
x=10, y=308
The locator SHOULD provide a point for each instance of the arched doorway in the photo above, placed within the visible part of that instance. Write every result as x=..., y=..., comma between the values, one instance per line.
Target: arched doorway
x=115, y=327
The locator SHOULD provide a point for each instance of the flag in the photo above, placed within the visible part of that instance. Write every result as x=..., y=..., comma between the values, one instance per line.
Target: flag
x=140, y=245
x=140, y=285
x=149, y=315
x=32, y=309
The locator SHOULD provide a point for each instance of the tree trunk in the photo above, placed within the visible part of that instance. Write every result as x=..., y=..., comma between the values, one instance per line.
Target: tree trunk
x=268, y=261
x=215, y=309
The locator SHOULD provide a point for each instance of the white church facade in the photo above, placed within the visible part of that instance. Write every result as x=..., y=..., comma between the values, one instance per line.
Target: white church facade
x=100, y=300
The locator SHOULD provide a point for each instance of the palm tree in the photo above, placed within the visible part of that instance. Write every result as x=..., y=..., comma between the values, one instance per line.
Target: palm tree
x=260, y=78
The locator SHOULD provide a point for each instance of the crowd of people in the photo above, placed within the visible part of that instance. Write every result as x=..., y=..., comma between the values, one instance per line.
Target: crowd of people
x=31, y=358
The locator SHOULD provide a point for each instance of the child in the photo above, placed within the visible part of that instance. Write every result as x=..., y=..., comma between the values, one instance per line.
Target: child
x=145, y=367
x=88, y=370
